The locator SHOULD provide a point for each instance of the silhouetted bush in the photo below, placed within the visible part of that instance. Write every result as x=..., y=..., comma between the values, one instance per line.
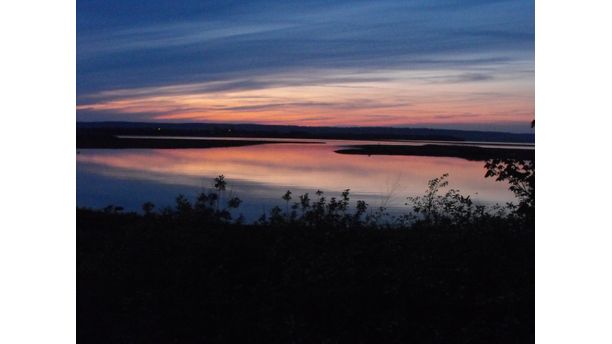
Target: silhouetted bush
x=435, y=207
x=520, y=174
x=319, y=271
x=451, y=208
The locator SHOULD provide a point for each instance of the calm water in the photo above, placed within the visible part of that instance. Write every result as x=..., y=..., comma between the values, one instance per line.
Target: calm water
x=261, y=174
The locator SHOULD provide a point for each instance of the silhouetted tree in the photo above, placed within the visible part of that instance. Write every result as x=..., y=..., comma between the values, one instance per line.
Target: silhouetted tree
x=520, y=174
x=450, y=208
x=287, y=197
x=183, y=206
x=220, y=183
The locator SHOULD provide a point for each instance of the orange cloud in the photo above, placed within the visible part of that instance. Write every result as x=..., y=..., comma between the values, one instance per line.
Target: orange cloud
x=405, y=99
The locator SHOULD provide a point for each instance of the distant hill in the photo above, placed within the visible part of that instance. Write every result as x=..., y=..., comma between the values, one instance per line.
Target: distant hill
x=290, y=131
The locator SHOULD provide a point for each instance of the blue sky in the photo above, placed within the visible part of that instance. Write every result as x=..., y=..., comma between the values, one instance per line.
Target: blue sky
x=452, y=64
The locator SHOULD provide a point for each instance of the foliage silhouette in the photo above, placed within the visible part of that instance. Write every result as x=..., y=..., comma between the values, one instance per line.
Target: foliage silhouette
x=451, y=208
x=435, y=207
x=520, y=174
x=323, y=270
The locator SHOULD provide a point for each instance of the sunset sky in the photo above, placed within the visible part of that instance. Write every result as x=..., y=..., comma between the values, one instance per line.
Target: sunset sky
x=466, y=64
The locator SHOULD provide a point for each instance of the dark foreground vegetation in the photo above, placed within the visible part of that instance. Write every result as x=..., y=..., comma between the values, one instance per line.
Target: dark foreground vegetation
x=452, y=151
x=315, y=270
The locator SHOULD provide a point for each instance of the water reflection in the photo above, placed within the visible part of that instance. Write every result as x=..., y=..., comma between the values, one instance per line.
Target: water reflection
x=261, y=174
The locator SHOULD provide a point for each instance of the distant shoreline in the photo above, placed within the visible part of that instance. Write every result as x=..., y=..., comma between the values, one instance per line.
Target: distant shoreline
x=113, y=142
x=297, y=132
x=450, y=151
x=464, y=151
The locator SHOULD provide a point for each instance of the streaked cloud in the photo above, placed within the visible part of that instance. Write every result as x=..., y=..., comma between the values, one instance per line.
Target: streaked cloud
x=311, y=63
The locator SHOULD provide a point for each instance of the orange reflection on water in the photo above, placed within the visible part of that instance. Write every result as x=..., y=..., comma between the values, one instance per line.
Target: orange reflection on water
x=307, y=167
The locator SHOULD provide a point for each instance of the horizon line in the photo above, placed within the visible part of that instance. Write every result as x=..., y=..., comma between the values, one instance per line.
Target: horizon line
x=313, y=126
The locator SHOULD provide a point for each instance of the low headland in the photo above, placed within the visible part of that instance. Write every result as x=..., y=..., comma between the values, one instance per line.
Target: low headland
x=452, y=151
